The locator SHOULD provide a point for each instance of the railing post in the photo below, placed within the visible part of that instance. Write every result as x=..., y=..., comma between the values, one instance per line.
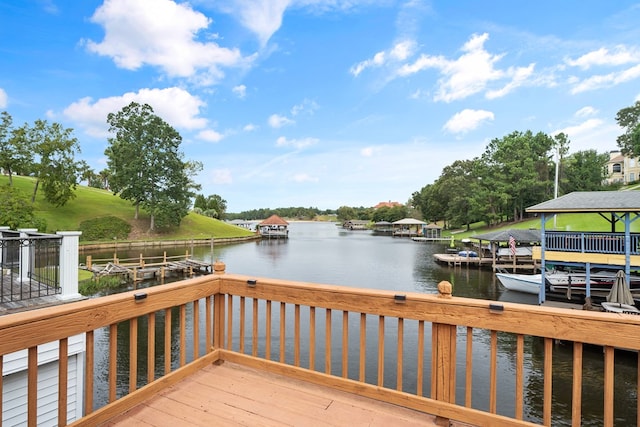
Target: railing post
x=2, y=228
x=443, y=386
x=24, y=275
x=69, y=264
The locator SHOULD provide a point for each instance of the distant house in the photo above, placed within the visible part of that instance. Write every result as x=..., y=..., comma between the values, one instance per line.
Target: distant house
x=388, y=204
x=274, y=227
x=622, y=169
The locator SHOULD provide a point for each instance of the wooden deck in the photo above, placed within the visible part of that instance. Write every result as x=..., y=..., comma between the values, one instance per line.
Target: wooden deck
x=231, y=394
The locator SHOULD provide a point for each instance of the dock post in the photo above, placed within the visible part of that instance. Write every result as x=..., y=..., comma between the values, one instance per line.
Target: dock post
x=89, y=262
x=162, y=272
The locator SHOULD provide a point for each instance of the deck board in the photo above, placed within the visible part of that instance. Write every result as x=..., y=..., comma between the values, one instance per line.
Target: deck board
x=233, y=395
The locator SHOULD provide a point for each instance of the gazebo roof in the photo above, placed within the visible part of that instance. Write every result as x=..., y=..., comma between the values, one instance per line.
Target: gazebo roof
x=591, y=201
x=504, y=235
x=409, y=221
x=274, y=220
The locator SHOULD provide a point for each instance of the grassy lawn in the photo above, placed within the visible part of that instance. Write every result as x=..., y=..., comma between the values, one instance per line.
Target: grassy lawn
x=94, y=203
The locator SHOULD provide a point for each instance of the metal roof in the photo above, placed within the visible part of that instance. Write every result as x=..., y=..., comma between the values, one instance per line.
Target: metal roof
x=409, y=221
x=591, y=201
x=503, y=235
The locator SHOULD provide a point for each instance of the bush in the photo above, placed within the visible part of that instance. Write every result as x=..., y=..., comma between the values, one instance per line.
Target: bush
x=104, y=228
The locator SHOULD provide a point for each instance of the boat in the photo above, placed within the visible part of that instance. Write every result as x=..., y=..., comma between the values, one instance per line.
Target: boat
x=616, y=307
x=527, y=283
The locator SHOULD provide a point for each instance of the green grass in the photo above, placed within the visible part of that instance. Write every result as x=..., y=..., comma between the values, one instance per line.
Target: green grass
x=91, y=203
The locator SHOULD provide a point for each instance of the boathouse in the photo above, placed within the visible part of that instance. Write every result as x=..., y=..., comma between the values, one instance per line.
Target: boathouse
x=274, y=227
x=356, y=224
x=612, y=247
x=510, y=249
x=407, y=227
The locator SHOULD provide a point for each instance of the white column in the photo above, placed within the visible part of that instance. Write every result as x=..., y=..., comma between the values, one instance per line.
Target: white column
x=69, y=264
x=24, y=274
x=2, y=228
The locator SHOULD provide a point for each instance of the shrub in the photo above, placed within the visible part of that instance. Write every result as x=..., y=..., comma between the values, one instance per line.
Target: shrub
x=104, y=228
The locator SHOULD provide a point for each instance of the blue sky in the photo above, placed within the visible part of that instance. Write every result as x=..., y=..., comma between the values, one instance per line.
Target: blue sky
x=324, y=103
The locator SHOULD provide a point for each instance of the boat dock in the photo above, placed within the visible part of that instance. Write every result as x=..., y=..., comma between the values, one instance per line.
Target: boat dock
x=141, y=268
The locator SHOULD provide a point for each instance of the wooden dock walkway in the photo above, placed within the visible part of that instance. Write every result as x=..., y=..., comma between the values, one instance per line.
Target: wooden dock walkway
x=141, y=268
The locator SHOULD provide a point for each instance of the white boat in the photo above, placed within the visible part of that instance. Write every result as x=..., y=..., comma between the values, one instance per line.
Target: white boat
x=528, y=283
x=615, y=307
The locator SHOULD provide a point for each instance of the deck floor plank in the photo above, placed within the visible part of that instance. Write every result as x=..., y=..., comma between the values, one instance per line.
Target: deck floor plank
x=233, y=395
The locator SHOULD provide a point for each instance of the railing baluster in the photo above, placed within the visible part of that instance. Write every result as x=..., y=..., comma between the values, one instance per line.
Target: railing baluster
x=229, y=322
x=327, y=342
x=420, y=358
x=548, y=381
x=312, y=338
x=399, y=354
x=254, y=329
x=63, y=377
x=32, y=387
x=282, y=331
x=218, y=324
x=469, y=368
x=576, y=392
x=493, y=373
x=88, y=373
x=345, y=344
x=208, y=320
x=363, y=346
x=609, y=356
x=519, y=377
x=183, y=335
x=242, y=322
x=151, y=348
x=380, y=351
x=133, y=354
x=1, y=380
x=113, y=360
x=167, y=341
x=296, y=336
x=267, y=326
x=196, y=329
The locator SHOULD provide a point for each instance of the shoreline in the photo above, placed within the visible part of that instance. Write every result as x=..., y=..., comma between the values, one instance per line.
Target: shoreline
x=131, y=244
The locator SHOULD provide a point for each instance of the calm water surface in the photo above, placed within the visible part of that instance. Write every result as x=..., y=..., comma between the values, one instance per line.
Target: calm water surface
x=324, y=253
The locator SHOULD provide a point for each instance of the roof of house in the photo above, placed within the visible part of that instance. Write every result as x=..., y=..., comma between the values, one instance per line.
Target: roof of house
x=504, y=235
x=409, y=221
x=274, y=220
x=388, y=204
x=591, y=201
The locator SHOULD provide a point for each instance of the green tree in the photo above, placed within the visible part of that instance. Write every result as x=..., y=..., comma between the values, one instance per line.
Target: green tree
x=346, y=213
x=212, y=206
x=146, y=165
x=585, y=171
x=17, y=212
x=55, y=165
x=15, y=152
x=629, y=119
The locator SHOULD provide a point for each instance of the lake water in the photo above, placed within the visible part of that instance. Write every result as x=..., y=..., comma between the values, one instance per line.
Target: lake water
x=324, y=253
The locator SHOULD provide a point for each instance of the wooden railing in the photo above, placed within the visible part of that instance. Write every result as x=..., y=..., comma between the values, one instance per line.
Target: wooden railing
x=605, y=243
x=402, y=348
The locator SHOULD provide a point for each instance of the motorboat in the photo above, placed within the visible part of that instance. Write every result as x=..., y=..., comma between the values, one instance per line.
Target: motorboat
x=527, y=283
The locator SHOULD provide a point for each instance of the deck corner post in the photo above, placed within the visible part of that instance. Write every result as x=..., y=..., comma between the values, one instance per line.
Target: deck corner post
x=219, y=267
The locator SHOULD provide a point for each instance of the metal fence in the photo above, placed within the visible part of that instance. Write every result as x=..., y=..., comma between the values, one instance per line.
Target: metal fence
x=30, y=266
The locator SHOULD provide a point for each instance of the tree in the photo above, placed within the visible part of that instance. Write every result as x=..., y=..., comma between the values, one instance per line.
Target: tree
x=17, y=212
x=585, y=171
x=346, y=213
x=55, y=165
x=629, y=119
x=146, y=167
x=15, y=150
x=213, y=206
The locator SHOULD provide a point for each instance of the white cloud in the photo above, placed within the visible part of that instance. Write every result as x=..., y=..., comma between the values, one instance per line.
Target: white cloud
x=174, y=105
x=210, y=135
x=307, y=106
x=4, y=99
x=221, y=176
x=586, y=112
x=262, y=17
x=620, y=56
x=296, y=143
x=303, y=177
x=278, y=121
x=367, y=151
x=240, y=91
x=606, y=80
x=464, y=76
x=467, y=120
x=398, y=53
x=250, y=127
x=518, y=75
x=160, y=33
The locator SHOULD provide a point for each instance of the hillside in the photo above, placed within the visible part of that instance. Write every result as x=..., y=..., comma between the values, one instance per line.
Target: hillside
x=92, y=203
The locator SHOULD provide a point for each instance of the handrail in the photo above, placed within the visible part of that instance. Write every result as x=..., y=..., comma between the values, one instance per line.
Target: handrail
x=591, y=242
x=335, y=335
